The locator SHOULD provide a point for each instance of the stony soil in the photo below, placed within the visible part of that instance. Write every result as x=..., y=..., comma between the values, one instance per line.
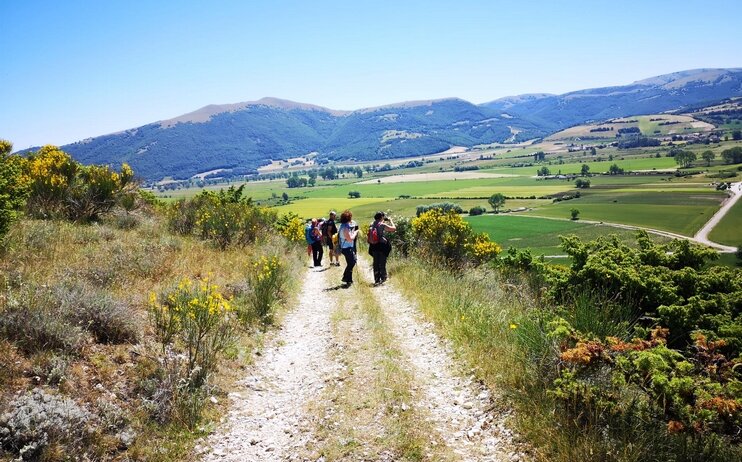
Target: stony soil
x=268, y=418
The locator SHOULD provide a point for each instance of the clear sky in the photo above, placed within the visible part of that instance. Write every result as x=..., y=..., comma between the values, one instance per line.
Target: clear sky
x=79, y=68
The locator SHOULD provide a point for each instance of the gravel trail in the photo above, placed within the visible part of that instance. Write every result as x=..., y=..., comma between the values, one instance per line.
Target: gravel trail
x=268, y=418
x=462, y=411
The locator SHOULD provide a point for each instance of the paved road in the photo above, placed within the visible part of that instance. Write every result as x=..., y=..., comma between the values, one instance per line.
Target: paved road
x=702, y=235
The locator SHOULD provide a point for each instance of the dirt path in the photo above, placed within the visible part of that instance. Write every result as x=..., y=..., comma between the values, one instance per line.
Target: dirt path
x=462, y=411
x=364, y=378
x=269, y=419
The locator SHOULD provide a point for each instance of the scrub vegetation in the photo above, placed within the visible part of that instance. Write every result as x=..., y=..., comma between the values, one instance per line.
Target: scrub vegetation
x=124, y=322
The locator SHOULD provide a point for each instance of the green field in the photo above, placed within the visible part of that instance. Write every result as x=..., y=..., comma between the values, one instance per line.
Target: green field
x=541, y=235
x=682, y=213
x=729, y=230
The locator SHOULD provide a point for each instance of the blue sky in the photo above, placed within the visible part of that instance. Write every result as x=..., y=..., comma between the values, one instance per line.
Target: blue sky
x=74, y=69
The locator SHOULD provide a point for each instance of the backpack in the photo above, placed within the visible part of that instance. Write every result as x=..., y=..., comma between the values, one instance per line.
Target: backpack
x=375, y=234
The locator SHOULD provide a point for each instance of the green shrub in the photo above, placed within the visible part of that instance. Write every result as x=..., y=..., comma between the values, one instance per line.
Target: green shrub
x=225, y=218
x=445, y=207
x=13, y=185
x=477, y=210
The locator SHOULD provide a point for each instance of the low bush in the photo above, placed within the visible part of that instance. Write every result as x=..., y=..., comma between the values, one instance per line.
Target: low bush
x=266, y=282
x=31, y=320
x=445, y=207
x=477, y=210
x=224, y=218
x=655, y=353
x=109, y=320
x=40, y=426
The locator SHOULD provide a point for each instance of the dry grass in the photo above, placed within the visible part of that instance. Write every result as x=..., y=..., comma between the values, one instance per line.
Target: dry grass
x=125, y=265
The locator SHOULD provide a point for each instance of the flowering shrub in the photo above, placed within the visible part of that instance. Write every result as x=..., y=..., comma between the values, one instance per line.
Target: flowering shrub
x=267, y=280
x=225, y=218
x=60, y=186
x=446, y=236
x=291, y=227
x=481, y=249
x=195, y=318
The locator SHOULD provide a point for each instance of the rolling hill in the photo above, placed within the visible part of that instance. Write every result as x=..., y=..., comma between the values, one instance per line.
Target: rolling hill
x=241, y=137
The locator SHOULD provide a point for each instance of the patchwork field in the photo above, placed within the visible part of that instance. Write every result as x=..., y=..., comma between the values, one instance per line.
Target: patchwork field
x=660, y=201
x=658, y=124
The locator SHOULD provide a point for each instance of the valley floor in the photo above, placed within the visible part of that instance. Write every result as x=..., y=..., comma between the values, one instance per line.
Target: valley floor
x=357, y=374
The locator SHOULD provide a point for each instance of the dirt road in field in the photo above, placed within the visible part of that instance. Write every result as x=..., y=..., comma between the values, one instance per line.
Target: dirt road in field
x=362, y=379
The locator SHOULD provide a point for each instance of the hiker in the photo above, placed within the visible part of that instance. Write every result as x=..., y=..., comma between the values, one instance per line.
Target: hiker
x=308, y=234
x=347, y=240
x=379, y=246
x=317, y=250
x=329, y=230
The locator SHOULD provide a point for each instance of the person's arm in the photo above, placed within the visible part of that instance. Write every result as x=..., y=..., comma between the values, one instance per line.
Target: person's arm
x=352, y=233
x=390, y=226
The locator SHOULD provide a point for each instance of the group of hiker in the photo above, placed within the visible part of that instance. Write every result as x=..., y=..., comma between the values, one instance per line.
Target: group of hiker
x=342, y=239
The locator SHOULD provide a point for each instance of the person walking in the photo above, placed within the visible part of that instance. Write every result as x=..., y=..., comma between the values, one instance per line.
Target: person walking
x=309, y=236
x=317, y=250
x=328, y=231
x=379, y=246
x=347, y=239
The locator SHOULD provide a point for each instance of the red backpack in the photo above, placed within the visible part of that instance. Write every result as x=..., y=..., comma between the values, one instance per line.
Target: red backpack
x=375, y=234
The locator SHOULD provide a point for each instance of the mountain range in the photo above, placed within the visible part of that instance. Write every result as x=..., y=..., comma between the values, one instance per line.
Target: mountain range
x=239, y=138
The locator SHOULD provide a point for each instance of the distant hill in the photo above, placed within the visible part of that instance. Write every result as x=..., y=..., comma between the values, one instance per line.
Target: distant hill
x=244, y=136
x=650, y=96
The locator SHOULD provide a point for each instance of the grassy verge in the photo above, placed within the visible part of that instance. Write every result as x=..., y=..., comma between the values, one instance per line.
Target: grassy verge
x=486, y=315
